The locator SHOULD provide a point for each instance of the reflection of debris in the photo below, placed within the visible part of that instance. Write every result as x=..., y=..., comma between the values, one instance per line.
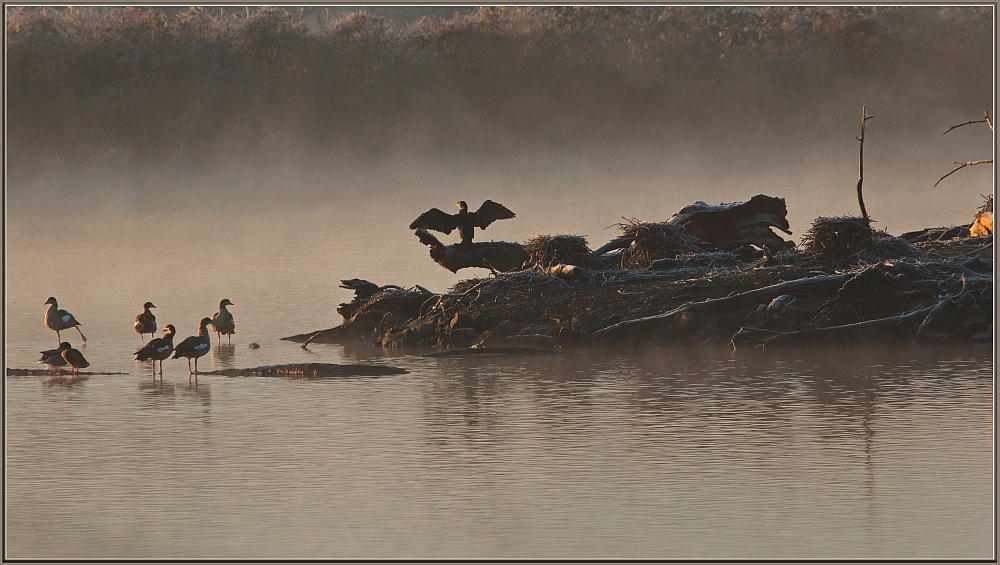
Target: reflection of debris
x=491, y=351
x=311, y=370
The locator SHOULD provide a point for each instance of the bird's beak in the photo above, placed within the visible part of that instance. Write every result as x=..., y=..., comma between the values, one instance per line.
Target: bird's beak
x=459, y=204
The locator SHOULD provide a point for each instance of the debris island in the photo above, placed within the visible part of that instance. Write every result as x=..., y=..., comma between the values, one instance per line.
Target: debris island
x=708, y=275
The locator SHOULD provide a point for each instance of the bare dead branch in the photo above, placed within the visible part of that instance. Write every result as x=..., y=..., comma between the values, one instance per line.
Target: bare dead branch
x=962, y=166
x=861, y=163
x=986, y=120
x=727, y=303
x=967, y=123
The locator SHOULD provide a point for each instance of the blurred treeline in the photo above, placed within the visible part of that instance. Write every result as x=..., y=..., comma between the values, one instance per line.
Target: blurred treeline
x=143, y=86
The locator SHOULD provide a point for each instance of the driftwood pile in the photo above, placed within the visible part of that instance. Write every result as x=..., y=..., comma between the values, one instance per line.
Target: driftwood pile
x=709, y=274
x=840, y=286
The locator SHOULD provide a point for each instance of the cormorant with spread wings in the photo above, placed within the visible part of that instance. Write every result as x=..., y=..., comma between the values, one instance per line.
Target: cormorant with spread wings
x=465, y=221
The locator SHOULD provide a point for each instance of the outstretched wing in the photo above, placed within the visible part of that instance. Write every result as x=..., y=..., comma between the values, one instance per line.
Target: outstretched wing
x=488, y=213
x=436, y=220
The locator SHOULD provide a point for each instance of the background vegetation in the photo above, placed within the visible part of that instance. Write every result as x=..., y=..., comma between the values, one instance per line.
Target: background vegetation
x=141, y=85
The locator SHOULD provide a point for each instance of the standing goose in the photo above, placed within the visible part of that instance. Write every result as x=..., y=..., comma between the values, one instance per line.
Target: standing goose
x=53, y=357
x=465, y=221
x=195, y=346
x=145, y=323
x=76, y=360
x=58, y=320
x=223, y=323
x=158, y=349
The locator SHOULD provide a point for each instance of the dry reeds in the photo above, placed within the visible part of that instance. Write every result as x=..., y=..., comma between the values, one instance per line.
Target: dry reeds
x=548, y=250
x=849, y=238
x=168, y=85
x=839, y=238
x=652, y=241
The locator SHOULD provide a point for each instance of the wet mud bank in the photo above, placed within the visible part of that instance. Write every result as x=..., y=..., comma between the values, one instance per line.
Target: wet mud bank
x=844, y=283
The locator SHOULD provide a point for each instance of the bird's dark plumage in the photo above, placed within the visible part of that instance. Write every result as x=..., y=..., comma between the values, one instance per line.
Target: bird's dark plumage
x=75, y=359
x=195, y=346
x=145, y=323
x=464, y=221
x=158, y=349
x=53, y=357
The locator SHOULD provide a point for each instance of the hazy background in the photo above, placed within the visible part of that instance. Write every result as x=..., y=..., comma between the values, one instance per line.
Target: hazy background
x=324, y=132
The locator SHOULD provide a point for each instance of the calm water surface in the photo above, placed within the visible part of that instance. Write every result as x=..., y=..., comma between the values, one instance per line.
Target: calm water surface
x=819, y=453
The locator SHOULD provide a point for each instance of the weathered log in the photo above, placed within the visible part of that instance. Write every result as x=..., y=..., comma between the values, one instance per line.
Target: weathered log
x=741, y=221
x=494, y=255
x=363, y=290
x=49, y=373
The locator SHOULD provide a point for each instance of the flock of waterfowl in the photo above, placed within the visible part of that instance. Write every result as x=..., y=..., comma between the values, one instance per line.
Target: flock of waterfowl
x=157, y=349
x=222, y=321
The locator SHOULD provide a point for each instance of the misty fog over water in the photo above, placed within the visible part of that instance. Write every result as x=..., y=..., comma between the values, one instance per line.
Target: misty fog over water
x=575, y=116
x=182, y=155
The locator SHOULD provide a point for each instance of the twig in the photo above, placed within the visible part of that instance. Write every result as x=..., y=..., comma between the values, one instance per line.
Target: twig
x=861, y=163
x=986, y=120
x=946, y=300
x=977, y=251
x=831, y=329
x=962, y=166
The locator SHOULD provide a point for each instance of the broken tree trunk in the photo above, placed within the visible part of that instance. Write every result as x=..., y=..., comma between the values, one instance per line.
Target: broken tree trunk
x=861, y=165
x=494, y=255
x=741, y=221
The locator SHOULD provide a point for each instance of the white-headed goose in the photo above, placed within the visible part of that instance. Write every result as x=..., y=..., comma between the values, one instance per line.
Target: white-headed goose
x=58, y=320
x=195, y=346
x=54, y=358
x=145, y=323
x=158, y=349
x=76, y=360
x=223, y=323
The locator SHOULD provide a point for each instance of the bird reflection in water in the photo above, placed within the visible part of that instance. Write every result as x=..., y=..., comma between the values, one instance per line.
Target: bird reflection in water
x=66, y=381
x=156, y=392
x=200, y=391
x=224, y=354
